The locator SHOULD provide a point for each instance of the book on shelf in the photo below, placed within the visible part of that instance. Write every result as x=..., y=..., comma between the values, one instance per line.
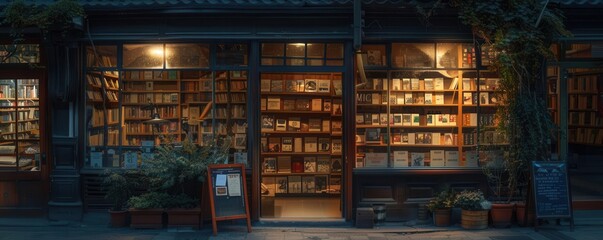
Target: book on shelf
x=289, y=105
x=314, y=125
x=309, y=164
x=396, y=138
x=309, y=184
x=336, y=106
x=397, y=119
x=240, y=141
x=324, y=144
x=295, y=184
x=265, y=85
x=428, y=98
x=400, y=159
x=376, y=98
x=302, y=104
x=417, y=159
x=336, y=126
x=263, y=104
x=382, y=119
x=396, y=84
x=414, y=84
x=310, y=144
x=321, y=183
x=268, y=186
x=267, y=123
x=374, y=118
x=467, y=84
x=294, y=124
x=471, y=158
x=326, y=125
x=372, y=135
x=337, y=146
x=323, y=164
x=297, y=165
x=429, y=84
x=316, y=104
x=324, y=85
x=281, y=124
x=438, y=83
x=283, y=164
x=282, y=184
x=287, y=145
x=437, y=158
x=326, y=105
x=290, y=86
x=337, y=87
x=269, y=165
x=311, y=85
x=451, y=158
x=483, y=98
x=467, y=98
x=336, y=165
x=274, y=103
x=359, y=160
x=276, y=85
x=274, y=144
x=297, y=144
x=378, y=160
x=408, y=98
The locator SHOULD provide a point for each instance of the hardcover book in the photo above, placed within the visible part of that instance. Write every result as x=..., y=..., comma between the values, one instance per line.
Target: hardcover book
x=290, y=85
x=314, y=124
x=337, y=146
x=302, y=104
x=309, y=185
x=297, y=165
x=295, y=184
x=376, y=160
x=265, y=85
x=437, y=158
x=396, y=84
x=438, y=84
x=284, y=164
x=276, y=86
x=400, y=159
x=309, y=164
x=373, y=135
x=289, y=105
x=316, y=104
x=323, y=164
x=336, y=165
x=297, y=144
x=417, y=159
x=310, y=144
x=324, y=144
x=281, y=124
x=321, y=183
x=311, y=85
x=452, y=158
x=287, y=145
x=267, y=123
x=294, y=124
x=281, y=184
x=269, y=165
x=324, y=85
x=274, y=103
x=274, y=144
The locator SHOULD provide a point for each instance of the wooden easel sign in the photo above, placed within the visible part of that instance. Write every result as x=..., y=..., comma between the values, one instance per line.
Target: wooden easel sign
x=552, y=196
x=227, y=193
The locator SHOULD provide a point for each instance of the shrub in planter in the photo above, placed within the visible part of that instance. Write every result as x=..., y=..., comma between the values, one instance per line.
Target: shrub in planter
x=146, y=210
x=474, y=209
x=441, y=206
x=119, y=188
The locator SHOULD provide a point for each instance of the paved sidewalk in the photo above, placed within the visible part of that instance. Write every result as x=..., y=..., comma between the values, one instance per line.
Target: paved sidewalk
x=589, y=225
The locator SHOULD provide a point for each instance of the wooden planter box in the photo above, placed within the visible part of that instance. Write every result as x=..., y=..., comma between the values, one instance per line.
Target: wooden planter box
x=184, y=217
x=502, y=214
x=474, y=219
x=119, y=218
x=146, y=218
x=441, y=217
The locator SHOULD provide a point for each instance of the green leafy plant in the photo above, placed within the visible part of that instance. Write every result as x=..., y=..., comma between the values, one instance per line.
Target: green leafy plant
x=444, y=199
x=520, y=33
x=120, y=187
x=59, y=15
x=177, y=168
x=149, y=200
x=472, y=200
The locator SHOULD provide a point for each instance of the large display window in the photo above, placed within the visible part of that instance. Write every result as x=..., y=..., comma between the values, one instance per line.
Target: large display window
x=157, y=91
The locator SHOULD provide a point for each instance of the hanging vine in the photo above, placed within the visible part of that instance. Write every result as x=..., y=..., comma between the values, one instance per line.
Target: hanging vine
x=520, y=32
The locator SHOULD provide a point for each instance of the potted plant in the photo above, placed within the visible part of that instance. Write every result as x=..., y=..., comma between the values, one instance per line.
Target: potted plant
x=504, y=176
x=178, y=169
x=474, y=209
x=119, y=188
x=440, y=206
x=146, y=210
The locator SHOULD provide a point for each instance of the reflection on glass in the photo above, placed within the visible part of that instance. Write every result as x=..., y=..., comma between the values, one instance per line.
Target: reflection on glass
x=375, y=55
x=583, y=50
x=232, y=54
x=413, y=55
x=143, y=55
x=20, y=53
x=447, y=55
x=19, y=120
x=186, y=55
x=101, y=56
x=334, y=50
x=273, y=49
x=316, y=50
x=296, y=50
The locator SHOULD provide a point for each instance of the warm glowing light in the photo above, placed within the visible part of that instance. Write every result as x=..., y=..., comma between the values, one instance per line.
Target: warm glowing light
x=156, y=51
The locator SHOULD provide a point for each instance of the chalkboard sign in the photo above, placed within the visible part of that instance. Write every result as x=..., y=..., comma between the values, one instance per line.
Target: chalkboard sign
x=227, y=193
x=551, y=190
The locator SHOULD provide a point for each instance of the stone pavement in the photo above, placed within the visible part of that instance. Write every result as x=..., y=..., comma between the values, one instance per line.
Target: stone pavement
x=589, y=225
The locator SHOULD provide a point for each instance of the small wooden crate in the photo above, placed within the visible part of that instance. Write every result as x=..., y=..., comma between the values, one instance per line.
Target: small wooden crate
x=365, y=217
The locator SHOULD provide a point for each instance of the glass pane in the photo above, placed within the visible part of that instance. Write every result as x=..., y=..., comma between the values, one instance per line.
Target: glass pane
x=488, y=55
x=28, y=123
x=316, y=50
x=272, y=61
x=413, y=55
x=20, y=53
x=295, y=61
x=187, y=55
x=7, y=92
x=28, y=92
x=447, y=55
x=101, y=56
x=29, y=156
x=334, y=50
x=273, y=49
x=315, y=62
x=232, y=54
x=334, y=62
x=296, y=50
x=143, y=56
x=375, y=55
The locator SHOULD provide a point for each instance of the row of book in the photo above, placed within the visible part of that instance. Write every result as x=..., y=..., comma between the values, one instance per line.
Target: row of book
x=398, y=84
x=146, y=97
x=583, y=84
x=301, y=85
x=375, y=136
x=152, y=75
x=406, y=119
x=585, y=118
x=98, y=116
x=96, y=137
x=306, y=164
x=302, y=104
x=272, y=186
x=307, y=144
x=200, y=85
x=151, y=86
x=583, y=102
x=296, y=124
x=586, y=135
x=402, y=159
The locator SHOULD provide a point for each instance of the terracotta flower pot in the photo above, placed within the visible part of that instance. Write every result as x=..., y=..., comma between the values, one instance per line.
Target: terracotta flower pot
x=146, y=218
x=184, y=217
x=502, y=214
x=119, y=218
x=474, y=219
x=441, y=217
